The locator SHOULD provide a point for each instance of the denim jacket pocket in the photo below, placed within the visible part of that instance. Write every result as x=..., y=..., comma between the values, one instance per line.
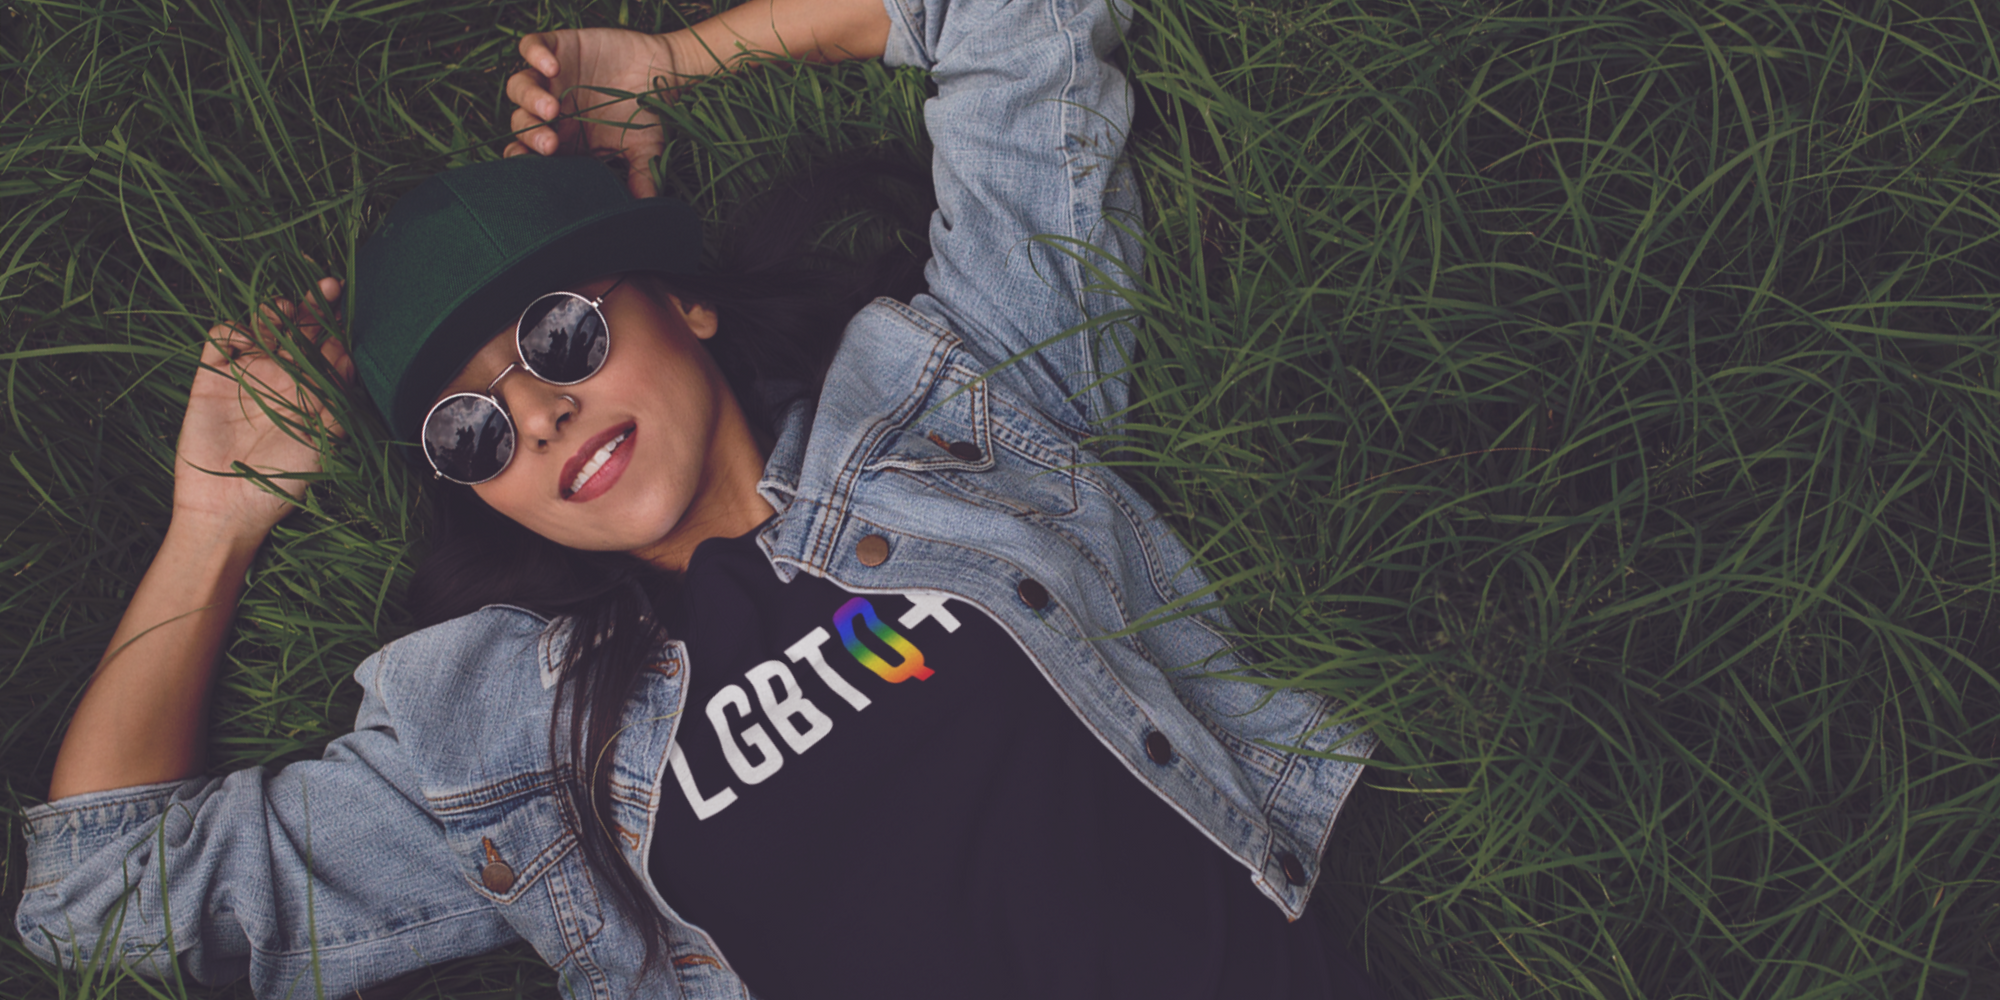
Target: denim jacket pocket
x=978, y=444
x=950, y=428
x=507, y=835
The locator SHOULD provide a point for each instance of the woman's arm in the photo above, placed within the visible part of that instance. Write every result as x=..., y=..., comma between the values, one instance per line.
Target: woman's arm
x=1036, y=235
x=315, y=879
x=307, y=877
x=559, y=101
x=143, y=718
x=1036, y=229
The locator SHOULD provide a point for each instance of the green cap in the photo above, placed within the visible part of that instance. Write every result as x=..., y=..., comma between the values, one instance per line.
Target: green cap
x=457, y=259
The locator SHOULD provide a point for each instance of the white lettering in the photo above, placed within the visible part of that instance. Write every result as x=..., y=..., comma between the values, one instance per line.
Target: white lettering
x=928, y=604
x=807, y=649
x=754, y=736
x=703, y=808
x=784, y=714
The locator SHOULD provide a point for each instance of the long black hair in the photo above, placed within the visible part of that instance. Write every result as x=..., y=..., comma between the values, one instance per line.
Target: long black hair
x=782, y=304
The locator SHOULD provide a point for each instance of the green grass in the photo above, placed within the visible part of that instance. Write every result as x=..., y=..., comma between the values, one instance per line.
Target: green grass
x=1600, y=398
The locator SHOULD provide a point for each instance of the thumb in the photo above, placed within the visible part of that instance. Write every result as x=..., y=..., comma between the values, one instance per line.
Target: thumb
x=639, y=179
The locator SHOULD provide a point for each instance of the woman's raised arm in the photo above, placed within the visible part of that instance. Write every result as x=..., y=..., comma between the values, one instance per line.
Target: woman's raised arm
x=1037, y=211
x=1038, y=217
x=143, y=718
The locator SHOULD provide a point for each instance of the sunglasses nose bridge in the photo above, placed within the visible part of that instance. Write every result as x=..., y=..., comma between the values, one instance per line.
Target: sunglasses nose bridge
x=504, y=372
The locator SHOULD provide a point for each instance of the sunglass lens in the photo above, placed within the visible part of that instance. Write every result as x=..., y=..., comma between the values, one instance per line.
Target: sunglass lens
x=563, y=339
x=468, y=439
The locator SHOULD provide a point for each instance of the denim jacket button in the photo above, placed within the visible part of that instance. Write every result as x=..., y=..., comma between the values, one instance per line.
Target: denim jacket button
x=872, y=550
x=1159, y=748
x=966, y=451
x=497, y=877
x=1295, y=873
x=1033, y=594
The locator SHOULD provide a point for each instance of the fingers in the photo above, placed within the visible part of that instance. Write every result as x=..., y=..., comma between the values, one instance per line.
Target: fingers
x=534, y=106
x=228, y=343
x=639, y=177
x=530, y=92
x=309, y=316
x=304, y=316
x=539, y=51
x=533, y=134
x=223, y=344
x=337, y=358
x=331, y=349
x=272, y=318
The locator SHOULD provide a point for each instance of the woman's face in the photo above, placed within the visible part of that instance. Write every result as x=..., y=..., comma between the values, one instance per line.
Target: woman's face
x=682, y=464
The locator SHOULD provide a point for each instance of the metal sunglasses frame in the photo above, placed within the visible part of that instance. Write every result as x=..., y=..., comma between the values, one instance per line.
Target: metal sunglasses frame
x=520, y=362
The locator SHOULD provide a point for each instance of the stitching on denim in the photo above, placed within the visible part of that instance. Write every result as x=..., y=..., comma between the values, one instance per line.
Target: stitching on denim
x=324, y=948
x=473, y=799
x=526, y=875
x=971, y=488
x=1156, y=572
x=1062, y=454
x=979, y=419
x=839, y=498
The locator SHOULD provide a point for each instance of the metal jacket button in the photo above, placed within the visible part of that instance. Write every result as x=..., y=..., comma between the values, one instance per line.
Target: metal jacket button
x=497, y=876
x=1295, y=873
x=1033, y=594
x=1159, y=748
x=966, y=451
x=872, y=550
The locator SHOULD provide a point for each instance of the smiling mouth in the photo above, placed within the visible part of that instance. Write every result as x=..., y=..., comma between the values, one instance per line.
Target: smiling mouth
x=586, y=468
x=597, y=461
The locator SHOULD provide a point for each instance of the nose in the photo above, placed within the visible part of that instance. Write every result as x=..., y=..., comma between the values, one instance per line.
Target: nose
x=540, y=410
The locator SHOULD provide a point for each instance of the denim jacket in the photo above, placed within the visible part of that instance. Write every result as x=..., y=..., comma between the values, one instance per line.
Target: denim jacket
x=931, y=463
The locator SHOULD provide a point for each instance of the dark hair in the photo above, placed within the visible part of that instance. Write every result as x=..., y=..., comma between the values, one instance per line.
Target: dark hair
x=783, y=304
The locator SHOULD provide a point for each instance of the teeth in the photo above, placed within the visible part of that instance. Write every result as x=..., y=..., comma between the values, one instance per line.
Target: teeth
x=597, y=461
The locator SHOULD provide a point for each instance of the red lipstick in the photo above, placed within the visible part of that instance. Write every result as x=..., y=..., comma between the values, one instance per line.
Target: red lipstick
x=607, y=474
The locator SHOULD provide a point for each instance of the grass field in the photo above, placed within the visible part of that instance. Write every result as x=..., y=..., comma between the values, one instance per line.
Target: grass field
x=1598, y=397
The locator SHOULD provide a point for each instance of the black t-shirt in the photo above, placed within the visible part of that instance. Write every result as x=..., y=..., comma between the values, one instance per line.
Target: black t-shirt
x=874, y=796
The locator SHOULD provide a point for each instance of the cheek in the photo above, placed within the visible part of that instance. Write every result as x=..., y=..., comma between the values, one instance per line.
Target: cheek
x=674, y=396
x=509, y=496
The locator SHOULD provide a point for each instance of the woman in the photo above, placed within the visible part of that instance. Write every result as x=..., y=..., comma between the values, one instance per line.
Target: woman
x=877, y=691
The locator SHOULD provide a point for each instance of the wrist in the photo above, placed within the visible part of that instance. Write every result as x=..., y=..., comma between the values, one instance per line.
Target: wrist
x=232, y=539
x=685, y=57
x=823, y=31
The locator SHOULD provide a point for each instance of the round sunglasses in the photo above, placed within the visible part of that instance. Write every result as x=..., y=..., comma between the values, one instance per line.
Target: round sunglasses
x=561, y=339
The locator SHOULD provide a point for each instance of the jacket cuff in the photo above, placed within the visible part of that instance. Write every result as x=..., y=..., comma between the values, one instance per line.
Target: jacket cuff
x=908, y=45
x=61, y=835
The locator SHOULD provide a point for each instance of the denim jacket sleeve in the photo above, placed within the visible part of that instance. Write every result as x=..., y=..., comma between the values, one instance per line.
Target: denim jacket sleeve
x=314, y=879
x=1037, y=210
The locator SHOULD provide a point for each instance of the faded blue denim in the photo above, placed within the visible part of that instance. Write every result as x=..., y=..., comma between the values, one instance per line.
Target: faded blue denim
x=333, y=874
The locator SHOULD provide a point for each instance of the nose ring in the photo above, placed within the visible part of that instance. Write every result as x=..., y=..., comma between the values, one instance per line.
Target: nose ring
x=574, y=409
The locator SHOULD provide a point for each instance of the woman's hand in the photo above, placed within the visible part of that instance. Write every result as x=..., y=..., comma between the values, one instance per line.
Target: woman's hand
x=556, y=109
x=227, y=422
